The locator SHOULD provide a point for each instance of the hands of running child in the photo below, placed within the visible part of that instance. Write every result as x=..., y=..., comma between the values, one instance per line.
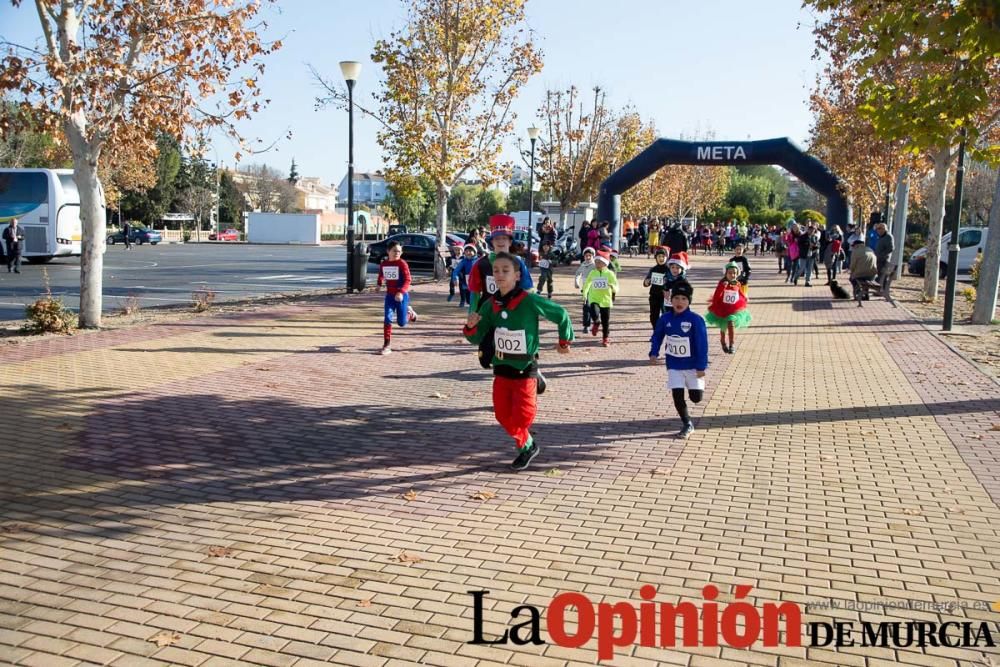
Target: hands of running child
x=399, y=297
x=654, y=360
x=472, y=320
x=646, y=283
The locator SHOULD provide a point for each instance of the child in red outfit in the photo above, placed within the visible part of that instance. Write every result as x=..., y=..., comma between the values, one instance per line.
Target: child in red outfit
x=395, y=273
x=728, y=307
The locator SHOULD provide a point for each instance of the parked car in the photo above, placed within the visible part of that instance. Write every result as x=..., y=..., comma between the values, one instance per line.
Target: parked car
x=227, y=235
x=419, y=250
x=138, y=235
x=971, y=242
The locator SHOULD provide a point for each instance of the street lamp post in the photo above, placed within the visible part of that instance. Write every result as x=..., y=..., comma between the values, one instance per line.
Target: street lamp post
x=533, y=135
x=350, y=70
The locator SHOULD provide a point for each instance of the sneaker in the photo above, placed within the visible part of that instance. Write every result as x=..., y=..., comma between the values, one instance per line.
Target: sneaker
x=386, y=350
x=524, y=456
x=808, y=284
x=731, y=349
x=411, y=314
x=686, y=432
x=451, y=297
x=593, y=328
x=725, y=348
x=606, y=342
x=540, y=383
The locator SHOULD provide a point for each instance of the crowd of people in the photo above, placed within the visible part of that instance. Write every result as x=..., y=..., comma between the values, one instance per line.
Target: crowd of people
x=492, y=276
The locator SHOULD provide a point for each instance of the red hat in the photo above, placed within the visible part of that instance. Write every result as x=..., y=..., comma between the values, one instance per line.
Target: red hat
x=604, y=256
x=501, y=224
x=679, y=258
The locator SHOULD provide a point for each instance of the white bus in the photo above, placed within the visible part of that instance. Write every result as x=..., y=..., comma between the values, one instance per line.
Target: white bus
x=46, y=203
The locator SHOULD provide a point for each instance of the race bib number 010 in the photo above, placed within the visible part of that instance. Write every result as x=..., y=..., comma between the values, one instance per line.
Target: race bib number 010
x=599, y=283
x=656, y=279
x=491, y=285
x=512, y=341
x=678, y=346
x=730, y=297
x=390, y=272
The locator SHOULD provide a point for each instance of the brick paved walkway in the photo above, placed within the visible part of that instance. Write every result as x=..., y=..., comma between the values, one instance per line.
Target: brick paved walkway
x=235, y=485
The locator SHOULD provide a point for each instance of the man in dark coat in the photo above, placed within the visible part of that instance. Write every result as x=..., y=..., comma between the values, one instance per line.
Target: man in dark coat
x=13, y=239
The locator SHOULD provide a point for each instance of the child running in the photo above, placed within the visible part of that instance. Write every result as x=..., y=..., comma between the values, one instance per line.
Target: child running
x=395, y=273
x=741, y=259
x=728, y=307
x=686, y=354
x=677, y=276
x=599, y=292
x=586, y=266
x=512, y=316
x=656, y=278
x=545, y=265
x=460, y=274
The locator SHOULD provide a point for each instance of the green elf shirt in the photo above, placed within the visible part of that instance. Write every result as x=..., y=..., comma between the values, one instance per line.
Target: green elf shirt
x=599, y=287
x=512, y=320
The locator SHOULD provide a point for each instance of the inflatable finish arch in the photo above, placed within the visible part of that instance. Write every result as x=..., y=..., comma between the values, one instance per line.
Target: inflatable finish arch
x=782, y=152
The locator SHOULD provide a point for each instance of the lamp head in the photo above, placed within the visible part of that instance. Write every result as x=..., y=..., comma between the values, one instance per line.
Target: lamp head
x=351, y=69
x=533, y=132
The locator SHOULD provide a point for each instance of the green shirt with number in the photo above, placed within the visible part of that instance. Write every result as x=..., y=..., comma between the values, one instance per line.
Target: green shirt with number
x=514, y=327
x=599, y=287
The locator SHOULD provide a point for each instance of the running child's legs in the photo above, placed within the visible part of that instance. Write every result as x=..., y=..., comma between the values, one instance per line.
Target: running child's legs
x=655, y=308
x=514, y=405
x=605, y=321
x=586, y=315
x=464, y=295
x=732, y=333
x=402, y=313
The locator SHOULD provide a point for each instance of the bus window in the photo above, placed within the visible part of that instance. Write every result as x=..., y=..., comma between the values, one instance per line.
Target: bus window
x=69, y=187
x=22, y=192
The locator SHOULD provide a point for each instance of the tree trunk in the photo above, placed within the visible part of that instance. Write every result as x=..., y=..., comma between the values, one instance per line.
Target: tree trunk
x=93, y=224
x=442, y=214
x=989, y=270
x=935, y=207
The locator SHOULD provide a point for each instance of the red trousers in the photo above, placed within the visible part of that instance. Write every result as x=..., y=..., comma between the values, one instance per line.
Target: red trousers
x=514, y=406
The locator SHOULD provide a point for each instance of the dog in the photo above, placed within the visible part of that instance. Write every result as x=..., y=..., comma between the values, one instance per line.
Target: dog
x=838, y=291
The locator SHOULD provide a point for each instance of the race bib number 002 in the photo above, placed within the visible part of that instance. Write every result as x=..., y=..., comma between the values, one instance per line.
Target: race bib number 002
x=599, y=283
x=656, y=279
x=491, y=285
x=511, y=341
x=730, y=297
x=390, y=272
x=678, y=346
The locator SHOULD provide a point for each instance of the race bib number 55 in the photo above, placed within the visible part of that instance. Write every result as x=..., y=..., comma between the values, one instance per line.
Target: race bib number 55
x=390, y=272
x=678, y=346
x=730, y=297
x=512, y=341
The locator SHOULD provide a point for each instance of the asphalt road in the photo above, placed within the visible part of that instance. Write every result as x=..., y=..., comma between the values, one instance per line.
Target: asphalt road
x=167, y=274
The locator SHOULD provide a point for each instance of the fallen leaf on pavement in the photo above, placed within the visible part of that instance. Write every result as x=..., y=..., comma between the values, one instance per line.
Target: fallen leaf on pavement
x=553, y=472
x=64, y=427
x=366, y=603
x=409, y=495
x=909, y=511
x=14, y=528
x=483, y=495
x=995, y=427
x=956, y=510
x=220, y=552
x=404, y=557
x=165, y=638
x=826, y=457
x=662, y=471
x=263, y=368
x=438, y=394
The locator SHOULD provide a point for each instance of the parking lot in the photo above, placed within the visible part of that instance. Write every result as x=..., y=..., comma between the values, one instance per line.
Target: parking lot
x=168, y=274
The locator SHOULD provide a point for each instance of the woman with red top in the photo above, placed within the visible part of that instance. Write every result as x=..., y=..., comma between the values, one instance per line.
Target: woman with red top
x=728, y=307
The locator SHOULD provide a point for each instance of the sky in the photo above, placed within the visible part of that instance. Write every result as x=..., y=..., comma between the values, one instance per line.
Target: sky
x=741, y=69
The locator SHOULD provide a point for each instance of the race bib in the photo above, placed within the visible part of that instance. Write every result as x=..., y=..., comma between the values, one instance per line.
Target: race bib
x=491, y=285
x=678, y=346
x=510, y=341
x=544, y=263
x=599, y=283
x=730, y=297
x=656, y=279
x=390, y=272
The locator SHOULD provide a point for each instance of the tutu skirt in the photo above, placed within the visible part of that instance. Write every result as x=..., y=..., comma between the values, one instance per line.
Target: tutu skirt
x=740, y=319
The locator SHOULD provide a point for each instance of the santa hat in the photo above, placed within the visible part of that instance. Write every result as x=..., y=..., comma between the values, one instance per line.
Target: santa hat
x=680, y=259
x=603, y=257
x=588, y=249
x=659, y=250
x=501, y=224
x=470, y=246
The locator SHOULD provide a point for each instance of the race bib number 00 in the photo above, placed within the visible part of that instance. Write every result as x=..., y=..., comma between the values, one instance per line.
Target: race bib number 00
x=599, y=283
x=511, y=341
x=656, y=279
x=390, y=272
x=491, y=285
x=730, y=297
x=678, y=346
x=544, y=263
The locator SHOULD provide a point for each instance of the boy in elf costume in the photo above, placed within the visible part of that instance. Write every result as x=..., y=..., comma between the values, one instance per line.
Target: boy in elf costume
x=728, y=307
x=395, y=273
x=687, y=352
x=599, y=292
x=511, y=317
x=481, y=281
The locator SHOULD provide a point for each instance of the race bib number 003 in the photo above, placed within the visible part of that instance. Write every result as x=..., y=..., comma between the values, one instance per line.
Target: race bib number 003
x=656, y=279
x=511, y=341
x=678, y=346
x=599, y=283
x=491, y=285
x=730, y=297
x=390, y=272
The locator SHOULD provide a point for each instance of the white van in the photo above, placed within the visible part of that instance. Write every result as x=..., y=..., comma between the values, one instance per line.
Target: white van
x=971, y=242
